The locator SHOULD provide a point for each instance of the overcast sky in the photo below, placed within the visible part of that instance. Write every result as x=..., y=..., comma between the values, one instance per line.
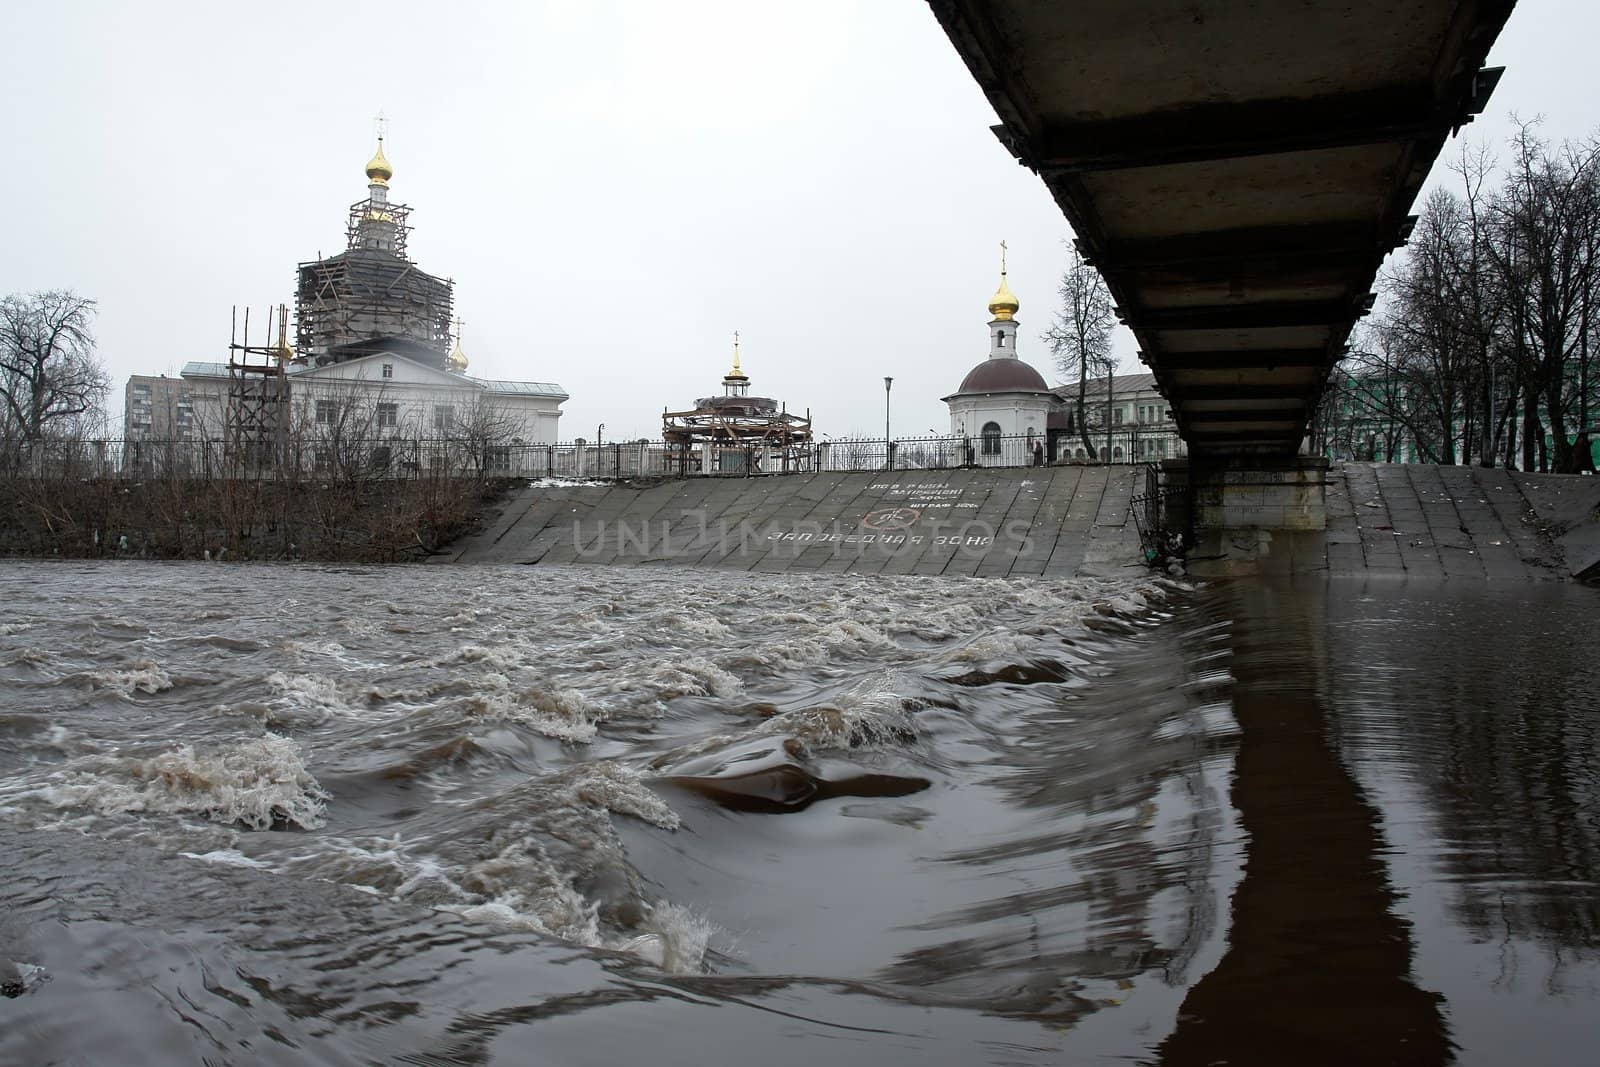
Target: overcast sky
x=614, y=186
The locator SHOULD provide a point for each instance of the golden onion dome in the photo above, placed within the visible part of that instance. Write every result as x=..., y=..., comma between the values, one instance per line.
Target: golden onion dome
x=379, y=170
x=1003, y=304
x=457, y=359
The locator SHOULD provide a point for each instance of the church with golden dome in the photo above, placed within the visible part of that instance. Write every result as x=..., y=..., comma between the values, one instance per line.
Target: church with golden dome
x=1003, y=406
x=373, y=329
x=736, y=432
x=373, y=293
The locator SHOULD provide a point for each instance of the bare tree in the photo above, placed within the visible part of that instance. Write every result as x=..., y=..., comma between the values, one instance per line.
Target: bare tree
x=51, y=380
x=1375, y=389
x=1549, y=254
x=1423, y=337
x=1080, y=336
x=480, y=435
x=1482, y=299
x=1493, y=307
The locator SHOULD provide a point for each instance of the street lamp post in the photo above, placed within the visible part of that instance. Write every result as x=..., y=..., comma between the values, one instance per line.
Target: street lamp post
x=888, y=449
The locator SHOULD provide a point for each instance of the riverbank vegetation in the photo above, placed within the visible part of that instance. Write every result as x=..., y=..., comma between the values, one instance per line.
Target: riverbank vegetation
x=181, y=515
x=1483, y=344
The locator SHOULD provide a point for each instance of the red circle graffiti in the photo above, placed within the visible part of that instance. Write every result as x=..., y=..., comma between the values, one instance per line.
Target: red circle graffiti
x=891, y=518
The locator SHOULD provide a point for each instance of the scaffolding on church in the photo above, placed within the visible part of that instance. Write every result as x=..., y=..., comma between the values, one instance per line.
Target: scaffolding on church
x=256, y=415
x=370, y=290
x=724, y=436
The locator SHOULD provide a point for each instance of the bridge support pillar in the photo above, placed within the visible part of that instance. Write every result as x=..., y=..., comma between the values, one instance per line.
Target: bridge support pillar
x=1249, y=494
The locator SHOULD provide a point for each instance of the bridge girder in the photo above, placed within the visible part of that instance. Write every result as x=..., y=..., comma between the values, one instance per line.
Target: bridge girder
x=1236, y=170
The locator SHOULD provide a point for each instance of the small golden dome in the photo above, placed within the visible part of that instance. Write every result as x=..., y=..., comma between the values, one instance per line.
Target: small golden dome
x=378, y=169
x=457, y=359
x=1003, y=304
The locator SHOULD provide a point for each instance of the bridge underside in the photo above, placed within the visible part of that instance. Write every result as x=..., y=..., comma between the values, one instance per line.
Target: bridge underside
x=1236, y=169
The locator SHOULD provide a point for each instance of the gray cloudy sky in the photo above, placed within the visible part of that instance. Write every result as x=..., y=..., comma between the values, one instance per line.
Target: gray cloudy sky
x=614, y=186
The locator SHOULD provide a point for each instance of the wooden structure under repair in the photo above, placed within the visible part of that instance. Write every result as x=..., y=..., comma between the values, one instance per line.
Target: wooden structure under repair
x=737, y=433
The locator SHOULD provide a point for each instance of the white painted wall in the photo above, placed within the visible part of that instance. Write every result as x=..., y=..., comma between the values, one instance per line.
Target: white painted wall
x=419, y=395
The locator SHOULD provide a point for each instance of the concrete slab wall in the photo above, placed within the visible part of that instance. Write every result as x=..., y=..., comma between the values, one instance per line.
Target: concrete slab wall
x=1423, y=521
x=1050, y=521
x=1251, y=494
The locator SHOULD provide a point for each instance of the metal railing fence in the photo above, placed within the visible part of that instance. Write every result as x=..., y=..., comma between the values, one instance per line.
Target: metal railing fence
x=412, y=457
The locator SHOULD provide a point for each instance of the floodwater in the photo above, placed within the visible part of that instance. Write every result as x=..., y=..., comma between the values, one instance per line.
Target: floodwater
x=596, y=816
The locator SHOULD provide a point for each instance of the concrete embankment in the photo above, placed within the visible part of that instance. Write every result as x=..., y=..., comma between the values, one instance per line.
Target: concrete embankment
x=1417, y=520
x=1055, y=521
x=1382, y=519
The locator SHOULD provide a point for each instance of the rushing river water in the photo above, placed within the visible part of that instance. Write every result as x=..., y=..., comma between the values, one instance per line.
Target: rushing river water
x=592, y=816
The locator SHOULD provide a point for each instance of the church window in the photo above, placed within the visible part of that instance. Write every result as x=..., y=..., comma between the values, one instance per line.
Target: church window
x=991, y=438
x=388, y=414
x=1002, y=338
x=327, y=412
x=388, y=370
x=444, y=416
x=1116, y=453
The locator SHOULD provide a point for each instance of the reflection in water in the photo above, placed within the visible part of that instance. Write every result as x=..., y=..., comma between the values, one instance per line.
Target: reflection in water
x=1318, y=964
x=1099, y=875
x=1494, y=712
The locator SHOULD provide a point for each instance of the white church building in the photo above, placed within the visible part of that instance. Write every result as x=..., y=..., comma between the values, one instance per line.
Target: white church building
x=396, y=394
x=1001, y=411
x=375, y=350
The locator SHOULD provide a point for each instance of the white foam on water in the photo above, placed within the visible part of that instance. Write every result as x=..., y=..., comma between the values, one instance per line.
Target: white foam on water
x=694, y=676
x=255, y=783
x=499, y=658
x=317, y=647
x=31, y=657
x=823, y=642
x=302, y=700
x=992, y=647
x=874, y=720
x=676, y=940
x=145, y=676
x=698, y=624
x=560, y=713
x=622, y=791
x=228, y=857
